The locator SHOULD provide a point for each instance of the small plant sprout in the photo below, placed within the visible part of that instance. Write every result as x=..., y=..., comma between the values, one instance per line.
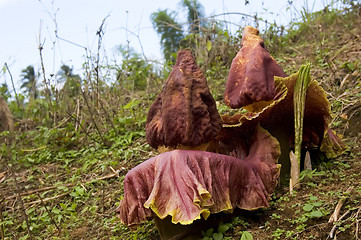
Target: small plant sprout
x=299, y=99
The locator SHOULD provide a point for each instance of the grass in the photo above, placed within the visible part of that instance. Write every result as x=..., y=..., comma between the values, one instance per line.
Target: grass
x=62, y=183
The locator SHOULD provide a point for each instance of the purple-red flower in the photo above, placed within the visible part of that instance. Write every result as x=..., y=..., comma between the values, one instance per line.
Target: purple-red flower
x=187, y=184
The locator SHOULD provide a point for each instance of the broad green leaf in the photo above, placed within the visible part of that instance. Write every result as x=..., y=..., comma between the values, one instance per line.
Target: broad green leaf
x=317, y=204
x=316, y=213
x=132, y=104
x=208, y=233
x=217, y=236
x=209, y=45
x=308, y=207
x=226, y=34
x=55, y=210
x=313, y=198
x=223, y=228
x=246, y=236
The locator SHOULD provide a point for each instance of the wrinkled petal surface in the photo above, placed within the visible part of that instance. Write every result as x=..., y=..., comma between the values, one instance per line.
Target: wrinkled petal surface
x=185, y=112
x=186, y=184
x=278, y=116
x=252, y=72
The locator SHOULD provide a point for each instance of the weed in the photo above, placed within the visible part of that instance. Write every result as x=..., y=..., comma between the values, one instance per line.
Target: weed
x=210, y=234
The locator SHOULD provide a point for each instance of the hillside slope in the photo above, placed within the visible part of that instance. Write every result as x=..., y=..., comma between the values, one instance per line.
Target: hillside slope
x=65, y=181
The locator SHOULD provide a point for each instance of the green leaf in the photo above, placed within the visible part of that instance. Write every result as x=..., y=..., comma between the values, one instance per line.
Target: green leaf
x=246, y=236
x=209, y=45
x=308, y=207
x=217, y=236
x=55, y=211
x=317, y=204
x=225, y=33
x=223, y=228
x=316, y=214
x=132, y=104
x=207, y=233
x=313, y=198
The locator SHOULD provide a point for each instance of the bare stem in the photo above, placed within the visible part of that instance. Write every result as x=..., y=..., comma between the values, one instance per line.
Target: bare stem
x=92, y=117
x=12, y=82
x=334, y=216
x=49, y=213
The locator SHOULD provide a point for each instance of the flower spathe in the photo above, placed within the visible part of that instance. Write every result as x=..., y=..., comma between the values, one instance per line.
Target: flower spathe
x=250, y=80
x=187, y=184
x=184, y=113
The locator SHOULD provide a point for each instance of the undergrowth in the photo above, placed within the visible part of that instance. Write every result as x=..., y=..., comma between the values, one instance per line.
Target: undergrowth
x=61, y=171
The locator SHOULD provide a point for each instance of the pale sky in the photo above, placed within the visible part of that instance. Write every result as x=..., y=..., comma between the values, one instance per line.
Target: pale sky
x=24, y=21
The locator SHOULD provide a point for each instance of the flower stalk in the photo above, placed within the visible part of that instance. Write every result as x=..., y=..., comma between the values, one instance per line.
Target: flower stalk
x=299, y=99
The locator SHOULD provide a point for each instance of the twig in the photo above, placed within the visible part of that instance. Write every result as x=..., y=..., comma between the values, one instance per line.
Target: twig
x=115, y=174
x=40, y=190
x=21, y=201
x=114, y=171
x=12, y=82
x=357, y=223
x=36, y=191
x=77, y=114
x=331, y=234
x=62, y=122
x=92, y=117
x=64, y=194
x=2, y=177
x=49, y=213
x=47, y=199
x=40, y=47
x=33, y=150
x=100, y=34
x=338, y=207
x=106, y=114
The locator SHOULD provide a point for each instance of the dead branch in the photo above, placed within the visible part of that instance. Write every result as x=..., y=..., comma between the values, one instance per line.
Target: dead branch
x=47, y=199
x=49, y=213
x=34, y=149
x=37, y=191
x=12, y=82
x=47, y=90
x=2, y=176
x=339, y=205
x=357, y=223
x=92, y=117
x=40, y=48
x=331, y=234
